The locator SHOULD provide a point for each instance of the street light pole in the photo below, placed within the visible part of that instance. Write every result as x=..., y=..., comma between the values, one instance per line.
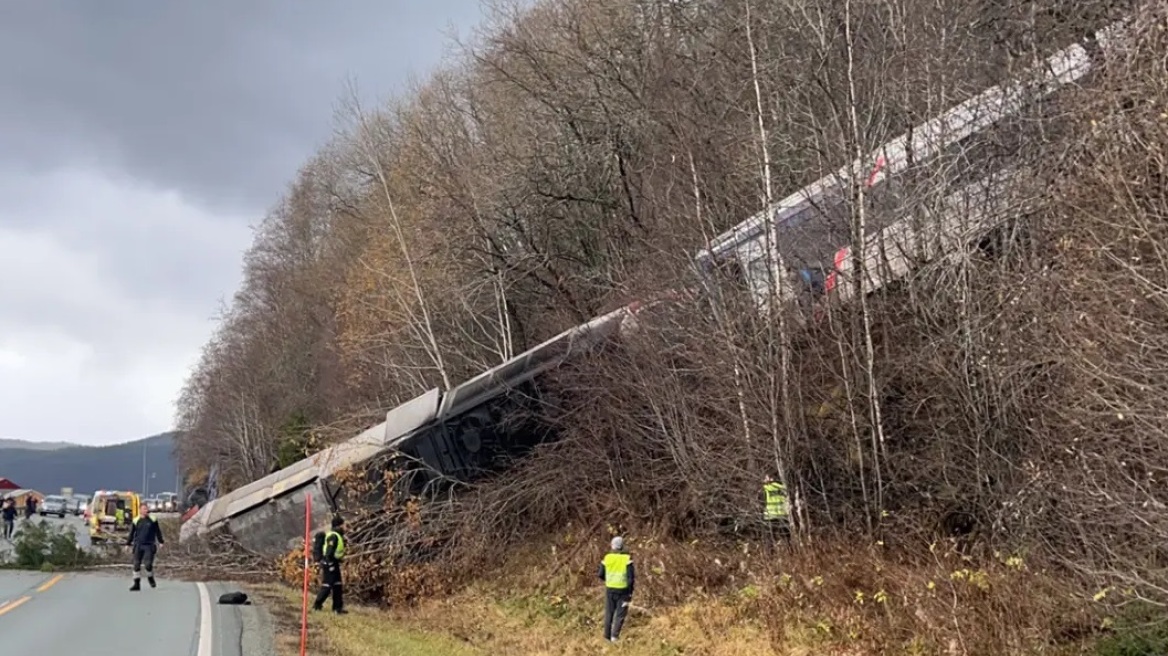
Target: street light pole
x=143, y=466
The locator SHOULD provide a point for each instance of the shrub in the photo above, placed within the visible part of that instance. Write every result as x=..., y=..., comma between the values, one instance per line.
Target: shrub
x=1140, y=630
x=44, y=547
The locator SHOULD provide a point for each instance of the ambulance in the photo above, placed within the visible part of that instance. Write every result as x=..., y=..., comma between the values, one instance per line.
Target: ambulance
x=110, y=514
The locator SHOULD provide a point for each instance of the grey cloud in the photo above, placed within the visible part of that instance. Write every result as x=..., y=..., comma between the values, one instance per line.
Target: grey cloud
x=138, y=139
x=150, y=244
x=221, y=98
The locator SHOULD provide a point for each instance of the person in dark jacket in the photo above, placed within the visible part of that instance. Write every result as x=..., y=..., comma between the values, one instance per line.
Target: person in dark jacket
x=9, y=516
x=29, y=507
x=619, y=576
x=330, y=568
x=144, y=539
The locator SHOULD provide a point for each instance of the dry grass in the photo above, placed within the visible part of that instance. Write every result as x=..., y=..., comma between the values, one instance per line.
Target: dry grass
x=477, y=622
x=517, y=614
x=726, y=601
x=363, y=632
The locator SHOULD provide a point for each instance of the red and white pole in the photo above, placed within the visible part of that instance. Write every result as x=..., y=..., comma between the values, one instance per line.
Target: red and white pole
x=307, y=567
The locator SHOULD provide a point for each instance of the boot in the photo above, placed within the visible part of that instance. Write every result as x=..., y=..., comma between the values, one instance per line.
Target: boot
x=137, y=586
x=150, y=580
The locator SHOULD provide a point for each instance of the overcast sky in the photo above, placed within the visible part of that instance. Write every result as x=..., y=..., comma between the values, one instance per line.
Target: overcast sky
x=139, y=141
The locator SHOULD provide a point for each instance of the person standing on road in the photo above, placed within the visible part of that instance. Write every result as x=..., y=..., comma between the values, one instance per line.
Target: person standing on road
x=29, y=507
x=9, y=516
x=145, y=538
x=330, y=568
x=619, y=576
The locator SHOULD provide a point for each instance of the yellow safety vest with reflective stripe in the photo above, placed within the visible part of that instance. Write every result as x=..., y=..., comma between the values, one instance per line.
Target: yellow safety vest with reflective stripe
x=616, y=571
x=776, y=501
x=339, y=552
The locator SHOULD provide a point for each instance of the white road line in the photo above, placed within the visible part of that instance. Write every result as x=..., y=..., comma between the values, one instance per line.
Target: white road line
x=204, y=620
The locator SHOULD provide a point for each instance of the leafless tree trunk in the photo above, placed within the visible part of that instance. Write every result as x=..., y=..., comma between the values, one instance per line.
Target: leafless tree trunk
x=367, y=143
x=860, y=258
x=777, y=334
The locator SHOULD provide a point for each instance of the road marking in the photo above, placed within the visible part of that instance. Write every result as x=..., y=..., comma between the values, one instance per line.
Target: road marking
x=50, y=583
x=18, y=602
x=8, y=606
x=204, y=620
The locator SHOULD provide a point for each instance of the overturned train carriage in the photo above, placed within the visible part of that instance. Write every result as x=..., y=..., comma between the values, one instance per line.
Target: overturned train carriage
x=433, y=439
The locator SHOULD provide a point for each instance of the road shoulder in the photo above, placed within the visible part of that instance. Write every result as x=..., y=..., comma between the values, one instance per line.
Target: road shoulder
x=243, y=630
x=363, y=631
x=258, y=635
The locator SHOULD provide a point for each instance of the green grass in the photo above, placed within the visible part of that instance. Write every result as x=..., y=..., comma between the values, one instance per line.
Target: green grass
x=366, y=633
x=363, y=632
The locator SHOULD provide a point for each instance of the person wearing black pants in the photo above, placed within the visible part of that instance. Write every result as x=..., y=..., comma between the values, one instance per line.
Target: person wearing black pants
x=145, y=538
x=330, y=568
x=9, y=516
x=619, y=576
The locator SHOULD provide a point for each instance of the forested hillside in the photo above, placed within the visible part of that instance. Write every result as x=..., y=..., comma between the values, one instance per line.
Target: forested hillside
x=89, y=468
x=1002, y=411
x=39, y=446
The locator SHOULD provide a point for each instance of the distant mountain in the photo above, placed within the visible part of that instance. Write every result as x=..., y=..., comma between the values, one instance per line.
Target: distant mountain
x=88, y=468
x=6, y=443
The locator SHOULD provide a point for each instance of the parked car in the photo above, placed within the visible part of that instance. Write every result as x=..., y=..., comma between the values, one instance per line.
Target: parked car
x=153, y=504
x=55, y=504
x=169, y=501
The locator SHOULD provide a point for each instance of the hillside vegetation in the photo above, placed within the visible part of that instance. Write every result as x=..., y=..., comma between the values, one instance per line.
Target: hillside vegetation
x=977, y=454
x=36, y=446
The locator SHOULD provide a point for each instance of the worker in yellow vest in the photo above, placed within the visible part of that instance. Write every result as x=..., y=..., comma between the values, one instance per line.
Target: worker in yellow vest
x=776, y=510
x=330, y=568
x=619, y=576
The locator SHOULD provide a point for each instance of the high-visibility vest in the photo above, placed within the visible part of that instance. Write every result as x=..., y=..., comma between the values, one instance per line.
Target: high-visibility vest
x=339, y=552
x=616, y=571
x=776, y=501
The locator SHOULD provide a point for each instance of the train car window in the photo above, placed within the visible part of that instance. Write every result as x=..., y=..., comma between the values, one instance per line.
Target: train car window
x=814, y=279
x=729, y=270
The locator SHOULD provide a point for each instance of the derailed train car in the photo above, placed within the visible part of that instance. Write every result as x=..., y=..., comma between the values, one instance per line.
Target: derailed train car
x=458, y=435
x=799, y=249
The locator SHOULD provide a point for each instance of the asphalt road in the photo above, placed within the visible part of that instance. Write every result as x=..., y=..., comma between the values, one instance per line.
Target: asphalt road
x=76, y=614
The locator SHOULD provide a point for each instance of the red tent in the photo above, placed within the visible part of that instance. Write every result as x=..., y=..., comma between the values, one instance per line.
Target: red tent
x=6, y=484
